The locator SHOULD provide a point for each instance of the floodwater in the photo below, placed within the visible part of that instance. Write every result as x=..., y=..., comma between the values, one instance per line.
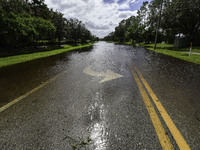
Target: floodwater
x=77, y=107
x=18, y=79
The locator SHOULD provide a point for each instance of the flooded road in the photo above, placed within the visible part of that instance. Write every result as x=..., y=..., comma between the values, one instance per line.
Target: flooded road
x=96, y=104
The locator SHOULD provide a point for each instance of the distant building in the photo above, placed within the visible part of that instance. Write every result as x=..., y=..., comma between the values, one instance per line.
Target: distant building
x=180, y=41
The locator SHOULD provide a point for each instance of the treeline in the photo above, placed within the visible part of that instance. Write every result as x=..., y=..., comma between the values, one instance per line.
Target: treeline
x=25, y=23
x=167, y=17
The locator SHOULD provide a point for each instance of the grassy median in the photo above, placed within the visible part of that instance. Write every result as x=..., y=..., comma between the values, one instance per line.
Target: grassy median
x=11, y=60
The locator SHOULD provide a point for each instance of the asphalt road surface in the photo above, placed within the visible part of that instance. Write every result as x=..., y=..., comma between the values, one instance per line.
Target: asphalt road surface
x=107, y=97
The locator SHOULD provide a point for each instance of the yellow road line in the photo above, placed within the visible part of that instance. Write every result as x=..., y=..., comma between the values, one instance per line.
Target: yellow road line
x=172, y=127
x=160, y=131
x=29, y=93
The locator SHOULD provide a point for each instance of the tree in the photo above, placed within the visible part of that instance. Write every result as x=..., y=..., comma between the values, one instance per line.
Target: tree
x=120, y=31
x=59, y=22
x=84, y=34
x=75, y=29
x=39, y=8
x=109, y=37
x=135, y=30
x=25, y=22
x=21, y=29
x=142, y=12
x=183, y=16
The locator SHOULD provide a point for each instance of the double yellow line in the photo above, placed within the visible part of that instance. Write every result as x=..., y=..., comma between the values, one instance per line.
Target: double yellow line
x=160, y=131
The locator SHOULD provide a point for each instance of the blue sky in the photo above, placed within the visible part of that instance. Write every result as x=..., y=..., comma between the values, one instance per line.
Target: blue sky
x=100, y=16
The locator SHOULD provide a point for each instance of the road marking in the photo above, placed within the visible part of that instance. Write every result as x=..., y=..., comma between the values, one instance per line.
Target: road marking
x=160, y=131
x=29, y=93
x=109, y=75
x=172, y=127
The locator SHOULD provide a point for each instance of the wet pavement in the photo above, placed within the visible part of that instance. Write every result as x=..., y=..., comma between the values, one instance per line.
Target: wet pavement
x=79, y=111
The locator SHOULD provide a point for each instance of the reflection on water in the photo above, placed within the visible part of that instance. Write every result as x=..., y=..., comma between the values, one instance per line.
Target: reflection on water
x=98, y=134
x=16, y=80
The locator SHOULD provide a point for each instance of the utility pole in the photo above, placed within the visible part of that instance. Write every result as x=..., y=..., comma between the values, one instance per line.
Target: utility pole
x=158, y=25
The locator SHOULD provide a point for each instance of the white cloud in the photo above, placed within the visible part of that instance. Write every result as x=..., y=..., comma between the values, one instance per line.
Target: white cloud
x=126, y=14
x=100, y=18
x=124, y=6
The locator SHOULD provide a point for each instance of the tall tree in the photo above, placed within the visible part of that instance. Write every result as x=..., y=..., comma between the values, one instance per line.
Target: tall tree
x=183, y=16
x=59, y=22
x=40, y=9
x=142, y=12
x=25, y=22
x=75, y=29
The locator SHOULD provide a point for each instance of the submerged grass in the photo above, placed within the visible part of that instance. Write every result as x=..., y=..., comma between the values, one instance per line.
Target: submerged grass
x=179, y=53
x=11, y=60
x=168, y=49
x=194, y=58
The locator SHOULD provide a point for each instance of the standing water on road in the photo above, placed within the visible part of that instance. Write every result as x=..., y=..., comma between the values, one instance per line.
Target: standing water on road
x=77, y=106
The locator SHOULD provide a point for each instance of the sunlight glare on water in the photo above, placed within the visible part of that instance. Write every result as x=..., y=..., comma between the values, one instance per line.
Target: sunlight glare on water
x=98, y=129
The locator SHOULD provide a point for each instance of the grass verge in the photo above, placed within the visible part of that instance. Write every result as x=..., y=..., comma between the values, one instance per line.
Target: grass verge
x=194, y=58
x=180, y=53
x=160, y=45
x=11, y=60
x=124, y=43
x=168, y=49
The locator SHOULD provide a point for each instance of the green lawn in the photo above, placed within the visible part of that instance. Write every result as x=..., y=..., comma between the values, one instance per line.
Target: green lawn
x=6, y=61
x=194, y=49
x=160, y=45
x=126, y=43
x=170, y=47
x=169, y=50
x=177, y=53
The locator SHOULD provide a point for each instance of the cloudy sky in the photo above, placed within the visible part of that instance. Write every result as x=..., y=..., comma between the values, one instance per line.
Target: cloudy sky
x=99, y=16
